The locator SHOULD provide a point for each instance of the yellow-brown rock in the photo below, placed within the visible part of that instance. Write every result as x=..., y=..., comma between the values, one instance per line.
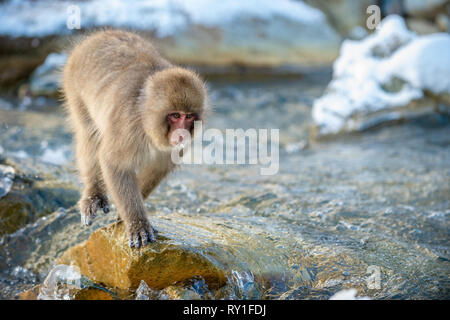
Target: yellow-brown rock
x=30, y=294
x=107, y=259
x=92, y=294
x=82, y=294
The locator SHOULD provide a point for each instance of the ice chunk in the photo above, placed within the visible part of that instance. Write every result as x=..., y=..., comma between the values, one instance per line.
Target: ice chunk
x=143, y=291
x=61, y=283
x=6, y=179
x=347, y=294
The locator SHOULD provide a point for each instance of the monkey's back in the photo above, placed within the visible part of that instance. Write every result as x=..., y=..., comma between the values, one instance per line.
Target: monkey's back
x=107, y=69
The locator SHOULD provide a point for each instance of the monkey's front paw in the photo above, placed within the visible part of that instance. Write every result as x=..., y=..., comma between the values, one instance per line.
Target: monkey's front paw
x=141, y=233
x=89, y=207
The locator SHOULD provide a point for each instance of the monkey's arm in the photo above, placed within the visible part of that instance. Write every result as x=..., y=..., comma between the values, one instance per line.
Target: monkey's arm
x=149, y=179
x=123, y=186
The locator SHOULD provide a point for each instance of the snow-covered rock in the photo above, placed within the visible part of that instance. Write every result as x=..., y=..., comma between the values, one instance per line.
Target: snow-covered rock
x=254, y=32
x=376, y=79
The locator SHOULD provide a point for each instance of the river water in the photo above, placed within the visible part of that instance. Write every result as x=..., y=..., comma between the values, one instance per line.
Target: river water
x=367, y=211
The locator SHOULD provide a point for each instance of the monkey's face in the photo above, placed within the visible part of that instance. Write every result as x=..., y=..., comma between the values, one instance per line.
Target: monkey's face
x=174, y=99
x=179, y=125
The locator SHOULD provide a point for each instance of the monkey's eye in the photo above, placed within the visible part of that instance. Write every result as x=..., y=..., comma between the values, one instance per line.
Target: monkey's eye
x=175, y=115
x=189, y=116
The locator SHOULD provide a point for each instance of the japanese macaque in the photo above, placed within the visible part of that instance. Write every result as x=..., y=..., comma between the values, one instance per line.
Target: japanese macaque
x=125, y=104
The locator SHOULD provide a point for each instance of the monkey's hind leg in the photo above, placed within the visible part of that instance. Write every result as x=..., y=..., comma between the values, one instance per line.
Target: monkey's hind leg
x=94, y=196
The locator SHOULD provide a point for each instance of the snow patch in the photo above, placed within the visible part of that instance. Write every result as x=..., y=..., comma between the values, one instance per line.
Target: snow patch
x=40, y=18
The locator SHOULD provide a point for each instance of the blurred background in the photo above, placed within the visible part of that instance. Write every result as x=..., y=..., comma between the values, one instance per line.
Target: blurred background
x=360, y=91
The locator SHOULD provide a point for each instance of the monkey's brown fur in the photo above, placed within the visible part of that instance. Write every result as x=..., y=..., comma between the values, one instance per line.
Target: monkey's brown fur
x=118, y=92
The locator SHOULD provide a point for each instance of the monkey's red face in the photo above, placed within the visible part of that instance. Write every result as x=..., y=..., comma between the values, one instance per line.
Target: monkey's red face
x=179, y=120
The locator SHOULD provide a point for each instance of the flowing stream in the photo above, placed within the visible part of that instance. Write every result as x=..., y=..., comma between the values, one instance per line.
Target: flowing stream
x=368, y=211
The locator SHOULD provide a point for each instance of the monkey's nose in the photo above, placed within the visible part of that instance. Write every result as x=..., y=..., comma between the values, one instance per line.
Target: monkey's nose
x=179, y=136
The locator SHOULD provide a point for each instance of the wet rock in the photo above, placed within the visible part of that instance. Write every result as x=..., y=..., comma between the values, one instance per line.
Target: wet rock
x=93, y=294
x=37, y=245
x=24, y=197
x=30, y=294
x=106, y=258
x=82, y=294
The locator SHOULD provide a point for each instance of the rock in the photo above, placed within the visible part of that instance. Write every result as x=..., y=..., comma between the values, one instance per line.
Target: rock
x=15, y=68
x=24, y=198
x=45, y=80
x=442, y=21
x=82, y=294
x=288, y=33
x=30, y=294
x=106, y=258
x=343, y=15
x=37, y=245
x=391, y=75
x=421, y=26
x=21, y=55
x=93, y=294
x=421, y=8
x=249, y=33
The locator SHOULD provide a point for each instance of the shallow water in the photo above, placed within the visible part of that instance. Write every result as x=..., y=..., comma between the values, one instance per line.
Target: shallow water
x=368, y=211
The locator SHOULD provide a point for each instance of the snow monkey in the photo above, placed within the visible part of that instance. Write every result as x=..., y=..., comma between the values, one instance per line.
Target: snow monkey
x=125, y=103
